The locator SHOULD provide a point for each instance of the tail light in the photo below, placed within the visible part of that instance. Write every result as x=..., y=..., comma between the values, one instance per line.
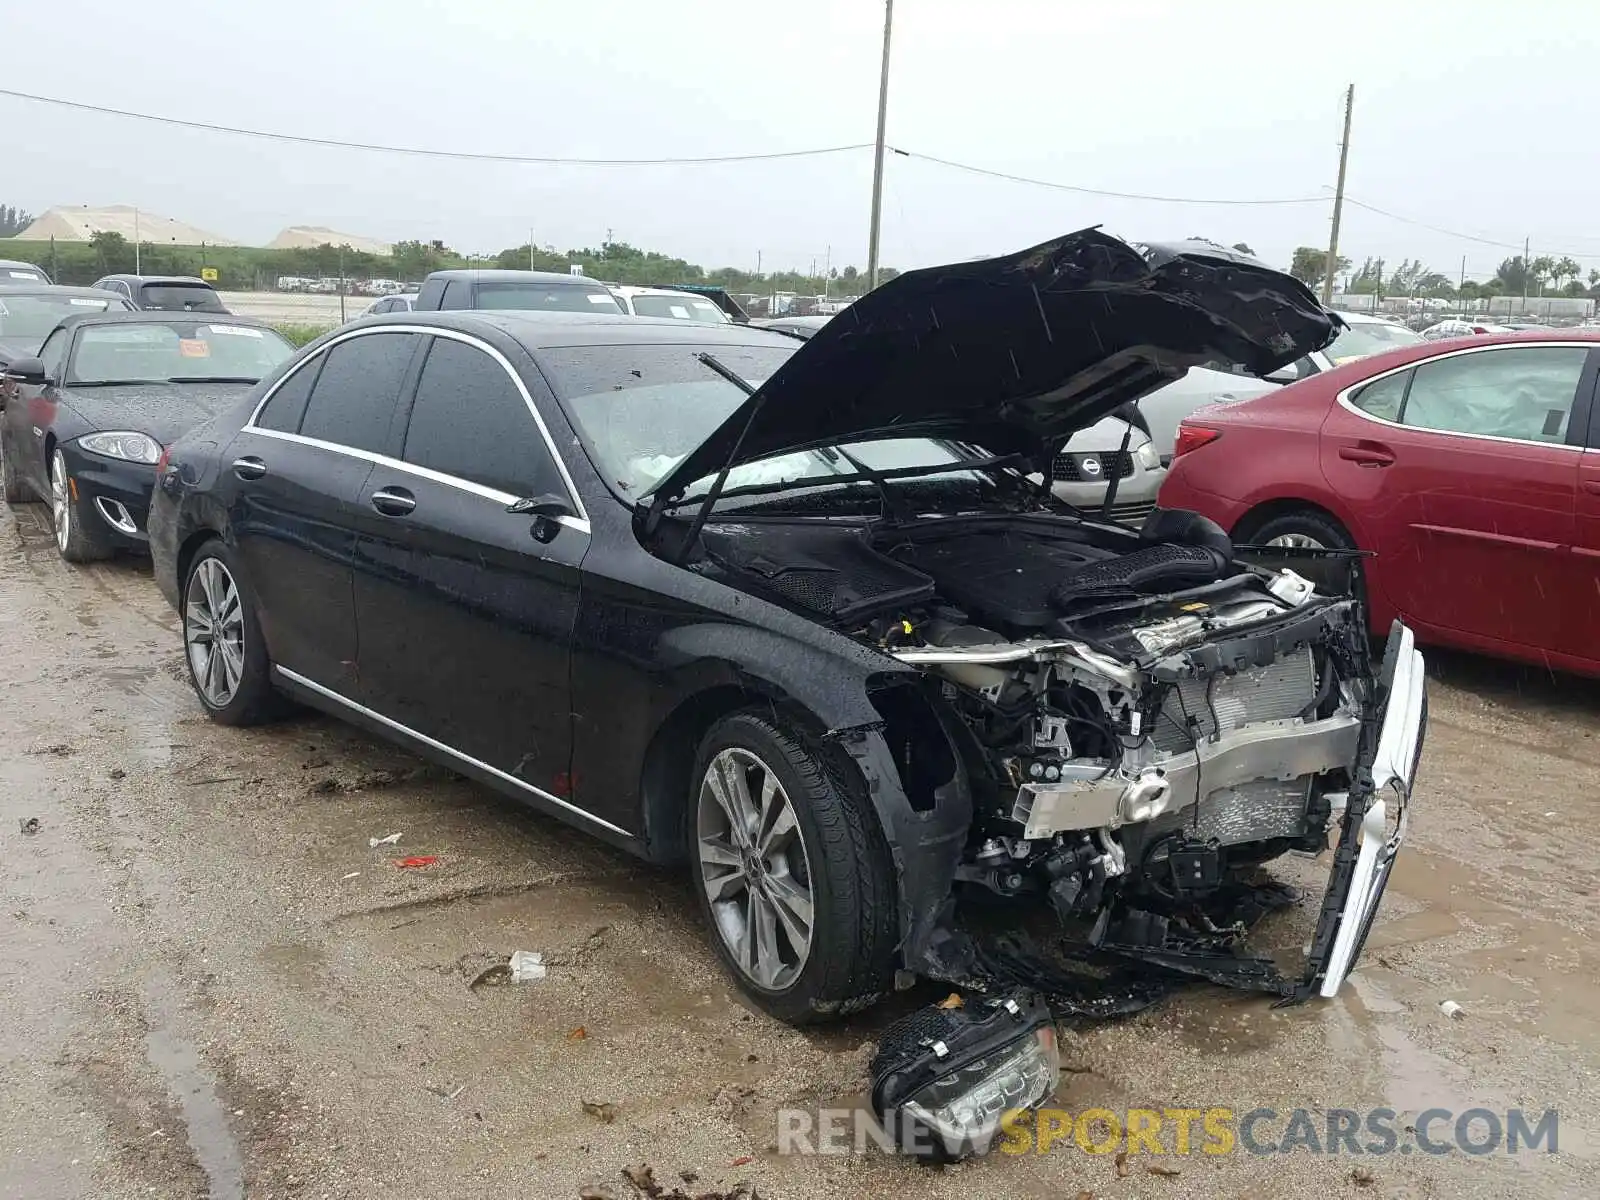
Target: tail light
x=1192, y=437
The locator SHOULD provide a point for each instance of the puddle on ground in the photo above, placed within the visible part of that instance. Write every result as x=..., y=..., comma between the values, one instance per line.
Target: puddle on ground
x=194, y=1087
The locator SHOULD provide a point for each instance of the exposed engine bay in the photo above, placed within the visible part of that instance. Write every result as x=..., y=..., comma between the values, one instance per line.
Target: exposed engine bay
x=1143, y=719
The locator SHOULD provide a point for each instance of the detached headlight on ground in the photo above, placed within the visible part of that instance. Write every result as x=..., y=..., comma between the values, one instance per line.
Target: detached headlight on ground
x=944, y=1079
x=130, y=447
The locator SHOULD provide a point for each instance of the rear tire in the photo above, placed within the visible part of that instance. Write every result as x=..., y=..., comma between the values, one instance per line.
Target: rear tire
x=776, y=832
x=222, y=643
x=1302, y=528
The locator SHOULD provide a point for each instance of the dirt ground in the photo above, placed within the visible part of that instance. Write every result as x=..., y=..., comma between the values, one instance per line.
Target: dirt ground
x=210, y=984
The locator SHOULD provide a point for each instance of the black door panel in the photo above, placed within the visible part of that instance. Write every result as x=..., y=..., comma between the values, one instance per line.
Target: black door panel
x=293, y=527
x=466, y=623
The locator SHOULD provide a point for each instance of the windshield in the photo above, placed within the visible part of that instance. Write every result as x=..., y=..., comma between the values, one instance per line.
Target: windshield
x=544, y=295
x=31, y=318
x=180, y=297
x=679, y=308
x=641, y=409
x=1366, y=338
x=174, y=351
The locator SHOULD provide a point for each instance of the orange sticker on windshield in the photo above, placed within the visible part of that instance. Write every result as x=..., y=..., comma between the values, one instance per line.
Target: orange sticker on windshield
x=194, y=348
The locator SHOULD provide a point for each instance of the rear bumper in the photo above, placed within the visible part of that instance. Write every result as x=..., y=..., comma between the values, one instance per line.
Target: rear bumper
x=113, y=494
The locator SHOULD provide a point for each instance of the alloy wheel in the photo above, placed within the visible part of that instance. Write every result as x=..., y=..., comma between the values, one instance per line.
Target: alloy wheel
x=1295, y=541
x=754, y=870
x=60, y=500
x=213, y=632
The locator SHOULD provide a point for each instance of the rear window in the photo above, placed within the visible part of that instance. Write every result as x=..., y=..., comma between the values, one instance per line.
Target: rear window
x=175, y=351
x=31, y=318
x=21, y=275
x=679, y=308
x=561, y=297
x=180, y=297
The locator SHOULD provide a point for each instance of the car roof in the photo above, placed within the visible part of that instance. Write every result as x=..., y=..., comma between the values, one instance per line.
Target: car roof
x=542, y=329
x=160, y=279
x=501, y=276
x=630, y=289
x=1367, y=318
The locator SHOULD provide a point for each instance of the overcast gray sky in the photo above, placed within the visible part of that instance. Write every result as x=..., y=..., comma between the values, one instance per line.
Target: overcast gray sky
x=1474, y=117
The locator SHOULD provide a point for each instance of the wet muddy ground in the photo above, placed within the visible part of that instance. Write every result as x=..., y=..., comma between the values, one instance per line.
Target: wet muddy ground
x=211, y=985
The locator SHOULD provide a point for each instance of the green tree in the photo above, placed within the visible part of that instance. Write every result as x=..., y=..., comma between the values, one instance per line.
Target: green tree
x=13, y=220
x=112, y=252
x=1369, y=280
x=1310, y=265
x=1539, y=270
x=1566, y=268
x=849, y=274
x=1512, y=278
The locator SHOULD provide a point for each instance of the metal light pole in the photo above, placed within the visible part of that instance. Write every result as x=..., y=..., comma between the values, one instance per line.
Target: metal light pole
x=136, y=269
x=877, y=158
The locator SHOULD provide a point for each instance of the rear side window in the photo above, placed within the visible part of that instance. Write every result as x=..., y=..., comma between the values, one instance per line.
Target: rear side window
x=1383, y=397
x=470, y=421
x=562, y=297
x=355, y=398
x=456, y=295
x=288, y=404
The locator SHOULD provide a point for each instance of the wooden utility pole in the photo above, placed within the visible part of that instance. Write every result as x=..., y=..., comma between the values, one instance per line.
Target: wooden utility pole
x=877, y=158
x=1338, y=198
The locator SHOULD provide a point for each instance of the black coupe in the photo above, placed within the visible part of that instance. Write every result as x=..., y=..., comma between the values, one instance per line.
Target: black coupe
x=794, y=613
x=86, y=421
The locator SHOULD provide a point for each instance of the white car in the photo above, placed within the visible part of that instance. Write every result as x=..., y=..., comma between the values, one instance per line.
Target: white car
x=1366, y=334
x=1456, y=327
x=667, y=305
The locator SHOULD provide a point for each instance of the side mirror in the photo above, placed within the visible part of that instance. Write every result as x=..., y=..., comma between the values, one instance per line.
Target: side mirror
x=27, y=370
x=546, y=510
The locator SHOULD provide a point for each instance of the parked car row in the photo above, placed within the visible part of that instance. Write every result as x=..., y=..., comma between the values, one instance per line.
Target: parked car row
x=799, y=616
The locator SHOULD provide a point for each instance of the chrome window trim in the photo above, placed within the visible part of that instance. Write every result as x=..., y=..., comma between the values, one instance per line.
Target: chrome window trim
x=1343, y=399
x=330, y=694
x=581, y=524
x=580, y=521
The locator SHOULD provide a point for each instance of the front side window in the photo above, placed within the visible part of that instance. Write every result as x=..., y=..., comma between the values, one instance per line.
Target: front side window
x=1520, y=392
x=470, y=421
x=52, y=352
x=175, y=351
x=358, y=391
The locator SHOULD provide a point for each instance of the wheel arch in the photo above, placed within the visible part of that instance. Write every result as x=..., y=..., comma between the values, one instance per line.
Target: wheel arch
x=1269, y=510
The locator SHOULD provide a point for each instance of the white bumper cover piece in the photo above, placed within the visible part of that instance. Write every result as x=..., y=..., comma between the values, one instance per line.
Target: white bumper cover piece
x=1383, y=824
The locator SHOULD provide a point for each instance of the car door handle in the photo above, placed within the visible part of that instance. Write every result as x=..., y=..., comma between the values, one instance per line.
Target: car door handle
x=1592, y=485
x=1367, y=456
x=249, y=467
x=393, y=502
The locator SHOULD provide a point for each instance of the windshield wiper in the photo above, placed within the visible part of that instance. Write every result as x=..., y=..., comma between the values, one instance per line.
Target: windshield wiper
x=893, y=509
x=212, y=379
x=712, y=496
x=784, y=485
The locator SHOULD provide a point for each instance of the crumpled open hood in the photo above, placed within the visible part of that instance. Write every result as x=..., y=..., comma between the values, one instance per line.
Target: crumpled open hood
x=1014, y=353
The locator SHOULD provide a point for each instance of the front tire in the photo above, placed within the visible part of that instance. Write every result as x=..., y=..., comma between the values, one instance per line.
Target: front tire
x=792, y=872
x=76, y=539
x=222, y=643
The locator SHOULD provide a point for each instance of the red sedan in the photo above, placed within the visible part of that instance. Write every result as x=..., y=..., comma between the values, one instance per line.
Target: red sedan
x=1470, y=468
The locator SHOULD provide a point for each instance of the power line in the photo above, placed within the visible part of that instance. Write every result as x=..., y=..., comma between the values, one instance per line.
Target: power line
x=425, y=152
x=1089, y=191
x=1456, y=233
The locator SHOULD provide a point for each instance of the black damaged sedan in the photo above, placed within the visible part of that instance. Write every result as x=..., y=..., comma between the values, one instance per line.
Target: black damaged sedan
x=87, y=420
x=794, y=615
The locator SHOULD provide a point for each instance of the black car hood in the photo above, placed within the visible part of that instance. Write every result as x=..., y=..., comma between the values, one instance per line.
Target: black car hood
x=1015, y=353
x=165, y=411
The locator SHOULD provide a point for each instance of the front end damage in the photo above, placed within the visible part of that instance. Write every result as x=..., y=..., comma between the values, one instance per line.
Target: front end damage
x=1133, y=768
